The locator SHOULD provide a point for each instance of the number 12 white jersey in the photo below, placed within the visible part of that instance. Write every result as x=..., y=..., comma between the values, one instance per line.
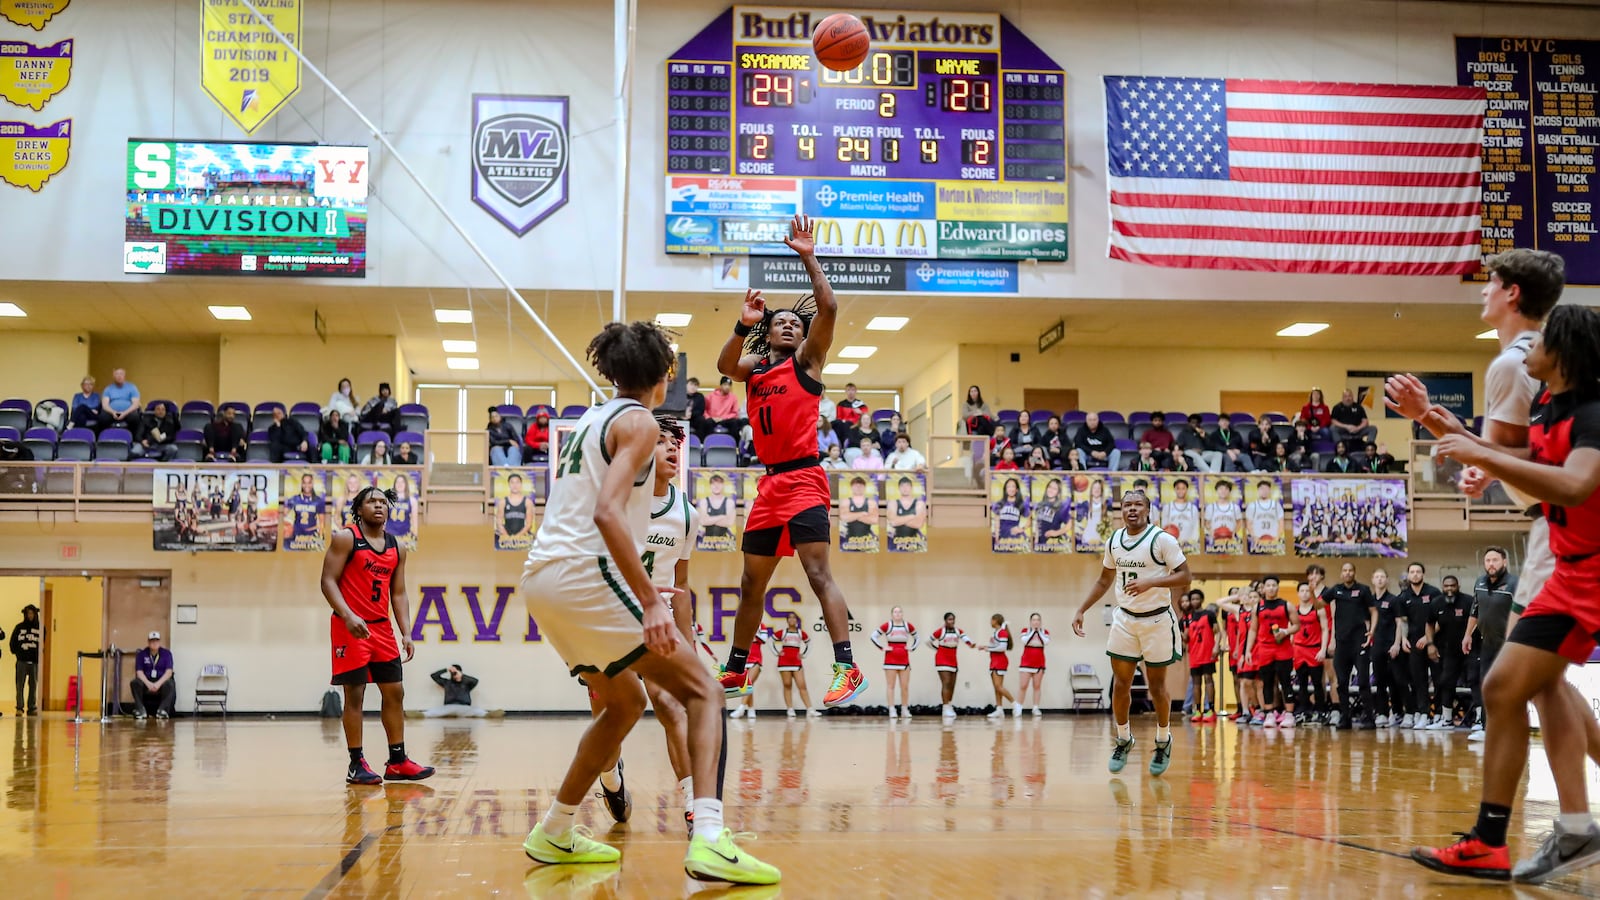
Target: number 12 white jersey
x=1150, y=553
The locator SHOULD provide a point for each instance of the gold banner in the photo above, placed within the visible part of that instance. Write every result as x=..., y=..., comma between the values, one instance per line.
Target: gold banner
x=31, y=76
x=243, y=67
x=33, y=14
x=30, y=156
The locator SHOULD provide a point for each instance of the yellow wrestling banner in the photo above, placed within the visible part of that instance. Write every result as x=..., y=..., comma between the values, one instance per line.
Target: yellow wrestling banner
x=33, y=14
x=243, y=67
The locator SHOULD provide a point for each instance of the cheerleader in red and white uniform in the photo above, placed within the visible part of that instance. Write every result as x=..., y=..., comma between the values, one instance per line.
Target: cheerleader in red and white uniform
x=897, y=638
x=1034, y=639
x=946, y=638
x=792, y=644
x=752, y=670
x=1000, y=644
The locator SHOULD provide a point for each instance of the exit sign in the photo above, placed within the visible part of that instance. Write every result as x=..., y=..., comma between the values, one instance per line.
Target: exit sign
x=71, y=552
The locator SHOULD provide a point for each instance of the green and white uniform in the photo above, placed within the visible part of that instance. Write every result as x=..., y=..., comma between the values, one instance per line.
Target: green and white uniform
x=1143, y=627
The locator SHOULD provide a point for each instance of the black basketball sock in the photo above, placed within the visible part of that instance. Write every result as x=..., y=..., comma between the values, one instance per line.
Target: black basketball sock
x=737, y=658
x=355, y=756
x=843, y=654
x=397, y=753
x=1492, y=822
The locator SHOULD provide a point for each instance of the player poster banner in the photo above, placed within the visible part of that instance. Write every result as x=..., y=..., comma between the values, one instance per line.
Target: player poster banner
x=520, y=149
x=908, y=512
x=1091, y=513
x=1181, y=507
x=1349, y=517
x=31, y=76
x=31, y=156
x=215, y=509
x=857, y=494
x=1010, y=513
x=304, y=510
x=33, y=14
x=343, y=485
x=244, y=69
x=717, y=500
x=1263, y=516
x=1224, y=515
x=1052, y=514
x=402, y=482
x=514, y=493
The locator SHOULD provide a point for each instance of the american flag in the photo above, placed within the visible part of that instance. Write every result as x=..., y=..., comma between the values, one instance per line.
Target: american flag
x=1294, y=176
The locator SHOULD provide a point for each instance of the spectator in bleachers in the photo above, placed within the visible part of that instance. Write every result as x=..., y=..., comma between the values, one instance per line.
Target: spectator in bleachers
x=1315, y=414
x=1301, y=457
x=1037, y=461
x=344, y=402
x=1350, y=420
x=826, y=439
x=1375, y=458
x=86, y=405
x=696, y=410
x=1147, y=459
x=870, y=458
x=285, y=436
x=1280, y=461
x=1160, y=439
x=503, y=447
x=536, y=443
x=904, y=458
x=833, y=460
x=1192, y=443
x=722, y=410
x=976, y=414
x=999, y=442
x=1022, y=435
x=1054, y=441
x=15, y=479
x=1074, y=461
x=890, y=428
x=405, y=455
x=1096, y=443
x=119, y=402
x=847, y=414
x=1181, y=462
x=225, y=438
x=334, y=436
x=826, y=408
x=380, y=411
x=1225, y=449
x=1262, y=444
x=380, y=454
x=160, y=430
x=1341, y=461
x=1008, y=459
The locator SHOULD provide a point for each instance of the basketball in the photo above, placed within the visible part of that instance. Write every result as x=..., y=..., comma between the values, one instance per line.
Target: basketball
x=1080, y=483
x=841, y=42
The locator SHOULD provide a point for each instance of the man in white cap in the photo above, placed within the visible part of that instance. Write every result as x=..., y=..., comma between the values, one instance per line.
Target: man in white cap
x=152, y=679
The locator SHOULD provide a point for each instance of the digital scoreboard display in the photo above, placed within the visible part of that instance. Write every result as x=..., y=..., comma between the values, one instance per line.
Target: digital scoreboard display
x=948, y=141
x=197, y=208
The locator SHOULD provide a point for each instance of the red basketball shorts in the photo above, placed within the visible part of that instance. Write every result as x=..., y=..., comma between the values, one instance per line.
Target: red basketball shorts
x=1564, y=617
x=374, y=659
x=790, y=508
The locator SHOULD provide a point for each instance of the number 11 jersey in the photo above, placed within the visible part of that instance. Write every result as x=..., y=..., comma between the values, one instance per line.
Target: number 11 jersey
x=783, y=405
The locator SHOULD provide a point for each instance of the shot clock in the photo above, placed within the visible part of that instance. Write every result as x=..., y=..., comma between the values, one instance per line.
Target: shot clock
x=958, y=106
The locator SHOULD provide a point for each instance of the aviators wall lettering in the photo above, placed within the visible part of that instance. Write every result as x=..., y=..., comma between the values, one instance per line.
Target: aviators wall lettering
x=520, y=152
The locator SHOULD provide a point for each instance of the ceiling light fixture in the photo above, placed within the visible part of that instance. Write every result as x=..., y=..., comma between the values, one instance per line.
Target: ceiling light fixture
x=854, y=352
x=1492, y=334
x=460, y=346
x=840, y=368
x=12, y=311
x=1303, y=329
x=887, y=323
x=230, y=313
x=461, y=362
x=674, y=320
x=453, y=316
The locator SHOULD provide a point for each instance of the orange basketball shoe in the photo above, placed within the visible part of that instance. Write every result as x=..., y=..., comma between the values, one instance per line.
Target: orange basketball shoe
x=1468, y=856
x=848, y=683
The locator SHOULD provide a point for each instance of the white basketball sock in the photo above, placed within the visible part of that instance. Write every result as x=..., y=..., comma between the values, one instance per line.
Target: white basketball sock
x=611, y=779
x=559, y=818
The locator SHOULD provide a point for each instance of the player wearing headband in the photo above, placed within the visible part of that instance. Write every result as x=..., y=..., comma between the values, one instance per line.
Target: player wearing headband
x=779, y=355
x=1148, y=566
x=363, y=578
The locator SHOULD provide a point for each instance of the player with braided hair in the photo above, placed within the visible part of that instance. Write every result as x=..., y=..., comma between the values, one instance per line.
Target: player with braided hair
x=779, y=355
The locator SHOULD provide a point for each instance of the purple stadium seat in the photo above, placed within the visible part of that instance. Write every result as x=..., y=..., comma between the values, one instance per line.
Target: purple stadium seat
x=241, y=413
x=1208, y=419
x=263, y=411
x=76, y=444
x=1110, y=416
x=257, y=449
x=512, y=414
x=17, y=414
x=719, y=451
x=573, y=412
x=7, y=433
x=414, y=438
x=1008, y=416
x=533, y=411
x=1127, y=446
x=64, y=406
x=1241, y=419
x=1277, y=418
x=309, y=415
x=196, y=415
x=413, y=417
x=42, y=441
x=190, y=444
x=1138, y=418
x=1070, y=417
x=1322, y=447
x=883, y=415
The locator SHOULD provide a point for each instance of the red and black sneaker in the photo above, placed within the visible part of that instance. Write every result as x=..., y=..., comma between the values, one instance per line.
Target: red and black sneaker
x=1468, y=856
x=361, y=773
x=406, y=770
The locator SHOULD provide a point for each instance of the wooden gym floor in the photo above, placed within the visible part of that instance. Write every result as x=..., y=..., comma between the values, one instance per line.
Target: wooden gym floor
x=846, y=807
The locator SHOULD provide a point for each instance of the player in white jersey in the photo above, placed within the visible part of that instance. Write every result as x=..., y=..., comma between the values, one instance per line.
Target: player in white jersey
x=596, y=604
x=1263, y=517
x=1222, y=515
x=1149, y=568
x=1182, y=514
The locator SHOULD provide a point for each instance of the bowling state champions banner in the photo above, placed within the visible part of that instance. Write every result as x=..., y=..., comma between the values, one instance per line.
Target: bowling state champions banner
x=907, y=500
x=245, y=70
x=857, y=494
x=514, y=493
x=215, y=509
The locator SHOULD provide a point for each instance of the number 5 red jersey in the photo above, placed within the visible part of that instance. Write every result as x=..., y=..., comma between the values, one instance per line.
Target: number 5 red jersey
x=783, y=405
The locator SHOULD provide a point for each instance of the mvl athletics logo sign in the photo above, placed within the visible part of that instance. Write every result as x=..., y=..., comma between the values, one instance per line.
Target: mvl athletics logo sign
x=520, y=149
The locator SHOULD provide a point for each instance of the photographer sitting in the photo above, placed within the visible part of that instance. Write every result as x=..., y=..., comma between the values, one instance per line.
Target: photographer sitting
x=457, y=697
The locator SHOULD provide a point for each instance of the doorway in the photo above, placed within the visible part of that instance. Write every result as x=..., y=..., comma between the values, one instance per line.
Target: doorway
x=1049, y=400
x=74, y=620
x=136, y=605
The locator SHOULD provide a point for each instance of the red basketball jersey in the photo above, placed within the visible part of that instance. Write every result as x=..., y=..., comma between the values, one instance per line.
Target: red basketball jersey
x=1309, y=636
x=364, y=583
x=1558, y=426
x=1202, y=634
x=1269, y=615
x=783, y=405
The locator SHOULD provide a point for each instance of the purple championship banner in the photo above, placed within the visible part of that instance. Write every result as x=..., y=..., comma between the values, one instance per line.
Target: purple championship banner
x=1539, y=143
x=948, y=142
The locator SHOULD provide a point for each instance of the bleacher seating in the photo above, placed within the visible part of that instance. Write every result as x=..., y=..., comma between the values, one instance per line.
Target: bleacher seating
x=573, y=412
x=241, y=413
x=114, y=445
x=42, y=443
x=190, y=444
x=309, y=415
x=512, y=415
x=413, y=417
x=263, y=411
x=16, y=414
x=414, y=438
x=257, y=450
x=719, y=451
x=196, y=415
x=76, y=444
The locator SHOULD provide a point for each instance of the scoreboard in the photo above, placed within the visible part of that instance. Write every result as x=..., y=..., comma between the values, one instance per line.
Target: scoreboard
x=947, y=142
